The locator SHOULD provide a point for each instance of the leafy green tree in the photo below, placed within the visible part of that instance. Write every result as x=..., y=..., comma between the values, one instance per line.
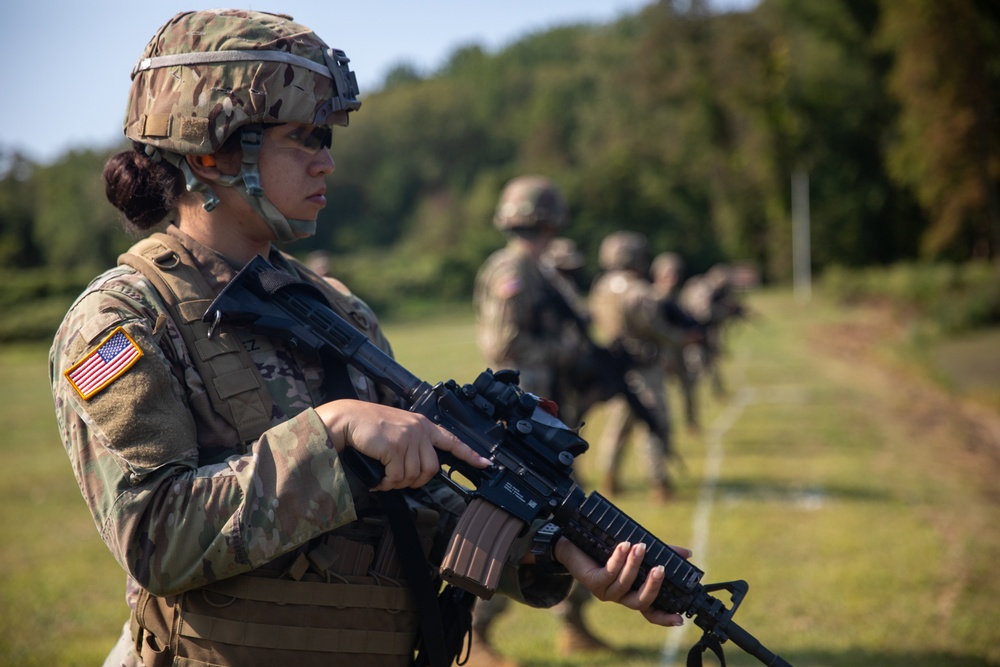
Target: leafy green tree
x=677, y=122
x=17, y=204
x=839, y=113
x=946, y=76
x=75, y=225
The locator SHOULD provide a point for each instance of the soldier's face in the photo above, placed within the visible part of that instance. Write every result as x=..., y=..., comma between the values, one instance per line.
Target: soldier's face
x=294, y=163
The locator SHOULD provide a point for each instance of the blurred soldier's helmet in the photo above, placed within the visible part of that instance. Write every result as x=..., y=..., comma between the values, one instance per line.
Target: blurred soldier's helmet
x=666, y=265
x=563, y=254
x=624, y=250
x=207, y=75
x=530, y=202
x=718, y=276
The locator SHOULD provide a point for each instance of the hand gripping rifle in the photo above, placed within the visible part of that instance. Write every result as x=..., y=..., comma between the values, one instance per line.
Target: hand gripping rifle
x=531, y=452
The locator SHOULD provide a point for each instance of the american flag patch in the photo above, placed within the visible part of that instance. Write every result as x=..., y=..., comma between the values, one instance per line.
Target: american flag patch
x=102, y=366
x=508, y=288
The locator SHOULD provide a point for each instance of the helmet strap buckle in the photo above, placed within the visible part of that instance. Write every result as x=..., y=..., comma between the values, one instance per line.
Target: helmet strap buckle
x=191, y=182
x=251, y=137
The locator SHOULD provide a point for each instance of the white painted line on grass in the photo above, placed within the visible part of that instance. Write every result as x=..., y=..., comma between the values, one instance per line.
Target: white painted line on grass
x=700, y=521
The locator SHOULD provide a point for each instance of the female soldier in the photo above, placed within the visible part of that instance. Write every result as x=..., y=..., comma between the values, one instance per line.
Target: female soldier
x=211, y=464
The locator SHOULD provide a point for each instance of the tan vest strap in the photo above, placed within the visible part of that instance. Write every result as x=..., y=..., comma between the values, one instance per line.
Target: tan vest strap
x=235, y=383
x=234, y=386
x=293, y=638
x=210, y=347
x=192, y=311
x=342, y=596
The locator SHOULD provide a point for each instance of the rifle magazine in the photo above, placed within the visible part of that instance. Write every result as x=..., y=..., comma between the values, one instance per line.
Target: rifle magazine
x=478, y=548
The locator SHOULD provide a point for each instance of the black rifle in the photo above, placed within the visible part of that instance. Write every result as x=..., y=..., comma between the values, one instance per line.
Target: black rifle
x=600, y=373
x=531, y=452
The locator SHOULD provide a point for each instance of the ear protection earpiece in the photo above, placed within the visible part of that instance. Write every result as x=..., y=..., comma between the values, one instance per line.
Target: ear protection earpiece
x=208, y=160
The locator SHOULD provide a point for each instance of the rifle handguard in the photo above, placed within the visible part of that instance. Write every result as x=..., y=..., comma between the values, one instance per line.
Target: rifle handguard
x=479, y=547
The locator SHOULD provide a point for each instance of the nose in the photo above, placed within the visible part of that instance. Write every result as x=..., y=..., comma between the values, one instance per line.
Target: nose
x=323, y=164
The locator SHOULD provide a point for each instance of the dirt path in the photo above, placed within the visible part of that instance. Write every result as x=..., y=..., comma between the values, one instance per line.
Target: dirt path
x=864, y=345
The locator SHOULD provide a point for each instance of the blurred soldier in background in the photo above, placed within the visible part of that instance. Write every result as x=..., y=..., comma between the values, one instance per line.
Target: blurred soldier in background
x=519, y=324
x=709, y=298
x=564, y=257
x=528, y=318
x=666, y=272
x=627, y=312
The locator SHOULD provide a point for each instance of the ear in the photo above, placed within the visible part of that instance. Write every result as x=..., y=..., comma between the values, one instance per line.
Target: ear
x=203, y=166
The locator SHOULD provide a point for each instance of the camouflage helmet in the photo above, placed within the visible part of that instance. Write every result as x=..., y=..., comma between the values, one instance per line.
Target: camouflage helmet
x=718, y=276
x=206, y=75
x=624, y=250
x=529, y=202
x=666, y=265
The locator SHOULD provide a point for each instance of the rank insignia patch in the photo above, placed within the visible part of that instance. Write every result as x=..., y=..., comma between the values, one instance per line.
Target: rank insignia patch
x=104, y=365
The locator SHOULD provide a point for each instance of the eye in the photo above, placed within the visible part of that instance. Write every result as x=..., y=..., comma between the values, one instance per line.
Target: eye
x=295, y=135
x=320, y=137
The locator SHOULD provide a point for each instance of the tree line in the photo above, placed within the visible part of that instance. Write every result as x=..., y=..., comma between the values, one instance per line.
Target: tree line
x=677, y=122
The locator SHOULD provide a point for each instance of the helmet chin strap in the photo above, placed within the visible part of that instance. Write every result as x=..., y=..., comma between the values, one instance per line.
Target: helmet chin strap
x=246, y=183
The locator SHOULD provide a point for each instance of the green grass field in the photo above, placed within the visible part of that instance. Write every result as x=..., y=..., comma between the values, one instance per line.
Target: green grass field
x=858, y=500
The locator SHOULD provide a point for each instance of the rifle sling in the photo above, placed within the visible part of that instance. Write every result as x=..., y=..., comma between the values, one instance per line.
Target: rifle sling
x=417, y=571
x=707, y=641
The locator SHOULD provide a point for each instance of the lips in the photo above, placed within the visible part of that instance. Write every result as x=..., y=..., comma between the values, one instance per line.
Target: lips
x=318, y=197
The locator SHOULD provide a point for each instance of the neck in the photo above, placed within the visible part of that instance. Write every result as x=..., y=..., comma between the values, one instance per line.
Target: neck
x=232, y=238
x=533, y=245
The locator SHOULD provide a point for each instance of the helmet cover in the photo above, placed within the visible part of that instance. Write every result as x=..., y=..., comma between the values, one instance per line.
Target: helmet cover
x=206, y=74
x=666, y=264
x=624, y=250
x=528, y=202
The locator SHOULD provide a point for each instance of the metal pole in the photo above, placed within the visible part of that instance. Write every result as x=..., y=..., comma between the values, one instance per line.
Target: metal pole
x=801, y=257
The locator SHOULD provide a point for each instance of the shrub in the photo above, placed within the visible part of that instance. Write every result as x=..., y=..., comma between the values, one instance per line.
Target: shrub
x=954, y=297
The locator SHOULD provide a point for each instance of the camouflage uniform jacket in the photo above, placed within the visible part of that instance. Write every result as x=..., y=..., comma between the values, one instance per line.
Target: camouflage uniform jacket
x=522, y=317
x=178, y=499
x=625, y=307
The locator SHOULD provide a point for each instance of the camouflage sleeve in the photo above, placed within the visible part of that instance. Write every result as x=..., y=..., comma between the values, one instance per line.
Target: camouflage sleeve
x=132, y=440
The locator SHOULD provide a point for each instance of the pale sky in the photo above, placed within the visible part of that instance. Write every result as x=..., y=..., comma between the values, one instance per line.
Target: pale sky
x=65, y=64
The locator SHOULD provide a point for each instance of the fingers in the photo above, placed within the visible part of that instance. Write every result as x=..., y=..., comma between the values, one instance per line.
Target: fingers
x=620, y=586
x=647, y=596
x=682, y=551
x=405, y=443
x=622, y=570
x=404, y=465
x=450, y=443
x=408, y=454
x=613, y=581
x=650, y=588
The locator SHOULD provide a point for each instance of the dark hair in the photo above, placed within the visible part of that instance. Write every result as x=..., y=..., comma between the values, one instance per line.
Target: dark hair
x=143, y=189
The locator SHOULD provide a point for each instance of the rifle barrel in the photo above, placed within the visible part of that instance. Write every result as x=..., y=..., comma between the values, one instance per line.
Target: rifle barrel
x=752, y=646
